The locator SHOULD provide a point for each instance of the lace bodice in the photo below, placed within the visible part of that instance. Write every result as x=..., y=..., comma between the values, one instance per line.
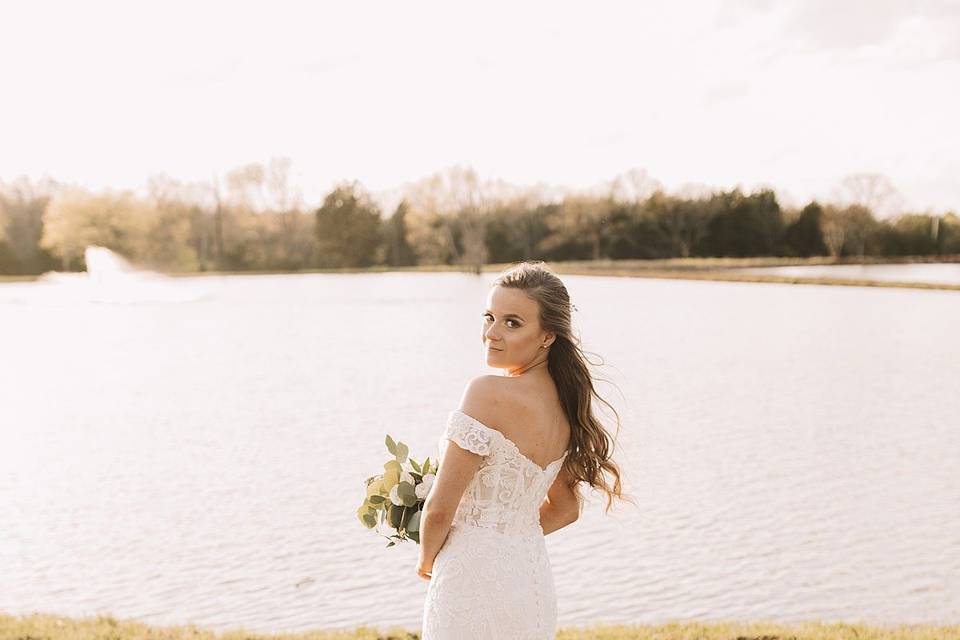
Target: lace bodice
x=506, y=492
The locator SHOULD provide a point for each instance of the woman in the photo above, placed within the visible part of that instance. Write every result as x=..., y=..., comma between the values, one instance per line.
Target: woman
x=512, y=457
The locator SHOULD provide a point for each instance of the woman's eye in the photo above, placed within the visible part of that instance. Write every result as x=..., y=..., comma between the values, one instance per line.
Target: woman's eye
x=487, y=316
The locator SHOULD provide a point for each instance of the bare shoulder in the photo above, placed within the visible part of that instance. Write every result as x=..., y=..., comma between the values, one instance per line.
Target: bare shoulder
x=488, y=398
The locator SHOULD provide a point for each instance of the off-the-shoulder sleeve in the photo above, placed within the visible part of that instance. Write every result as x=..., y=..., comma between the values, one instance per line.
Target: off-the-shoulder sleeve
x=468, y=433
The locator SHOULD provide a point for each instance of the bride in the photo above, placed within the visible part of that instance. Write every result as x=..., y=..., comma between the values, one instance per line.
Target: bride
x=512, y=457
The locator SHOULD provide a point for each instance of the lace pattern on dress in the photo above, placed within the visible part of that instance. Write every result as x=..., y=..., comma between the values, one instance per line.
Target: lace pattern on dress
x=508, y=488
x=470, y=435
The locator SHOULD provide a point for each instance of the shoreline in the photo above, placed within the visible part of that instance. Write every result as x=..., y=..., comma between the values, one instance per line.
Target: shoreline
x=105, y=627
x=669, y=268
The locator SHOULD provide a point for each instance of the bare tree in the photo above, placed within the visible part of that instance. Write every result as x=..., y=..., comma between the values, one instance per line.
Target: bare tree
x=834, y=231
x=871, y=190
x=22, y=206
x=285, y=201
x=858, y=222
x=192, y=200
x=459, y=204
x=245, y=187
x=218, y=213
x=695, y=191
x=846, y=227
x=633, y=186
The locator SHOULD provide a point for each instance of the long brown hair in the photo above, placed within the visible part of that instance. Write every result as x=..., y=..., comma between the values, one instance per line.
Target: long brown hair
x=591, y=445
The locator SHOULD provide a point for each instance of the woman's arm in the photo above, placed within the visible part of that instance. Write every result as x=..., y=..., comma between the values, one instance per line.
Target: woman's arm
x=434, y=528
x=552, y=518
x=562, y=506
x=453, y=476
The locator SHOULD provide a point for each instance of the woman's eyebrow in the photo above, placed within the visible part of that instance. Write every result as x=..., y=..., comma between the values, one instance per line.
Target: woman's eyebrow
x=507, y=315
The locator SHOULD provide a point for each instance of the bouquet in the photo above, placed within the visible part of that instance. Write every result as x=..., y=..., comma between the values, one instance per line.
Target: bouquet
x=395, y=497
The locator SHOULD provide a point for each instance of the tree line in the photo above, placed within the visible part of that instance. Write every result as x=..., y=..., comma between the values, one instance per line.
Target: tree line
x=253, y=219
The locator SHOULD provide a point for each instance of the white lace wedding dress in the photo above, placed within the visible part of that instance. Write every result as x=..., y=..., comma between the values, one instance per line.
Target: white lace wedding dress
x=492, y=579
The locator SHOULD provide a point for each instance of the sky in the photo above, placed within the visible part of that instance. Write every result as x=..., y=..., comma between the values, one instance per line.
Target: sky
x=793, y=95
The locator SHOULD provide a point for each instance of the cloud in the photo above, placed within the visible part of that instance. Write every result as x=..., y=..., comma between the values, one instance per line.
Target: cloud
x=848, y=25
x=826, y=25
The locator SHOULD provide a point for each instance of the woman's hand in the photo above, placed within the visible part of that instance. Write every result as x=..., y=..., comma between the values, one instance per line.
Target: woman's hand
x=424, y=570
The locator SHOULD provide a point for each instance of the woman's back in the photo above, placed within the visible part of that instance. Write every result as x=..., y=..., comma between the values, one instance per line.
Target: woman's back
x=492, y=577
x=529, y=414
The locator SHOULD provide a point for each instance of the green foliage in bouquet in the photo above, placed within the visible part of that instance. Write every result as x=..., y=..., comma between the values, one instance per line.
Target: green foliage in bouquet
x=395, y=497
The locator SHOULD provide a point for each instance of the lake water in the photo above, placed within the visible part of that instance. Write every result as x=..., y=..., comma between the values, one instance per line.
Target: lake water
x=938, y=273
x=194, y=450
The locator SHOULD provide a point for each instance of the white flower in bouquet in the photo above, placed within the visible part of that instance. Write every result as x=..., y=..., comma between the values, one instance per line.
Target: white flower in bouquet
x=423, y=488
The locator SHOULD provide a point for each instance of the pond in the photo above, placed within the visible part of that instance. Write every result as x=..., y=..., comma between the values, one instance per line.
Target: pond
x=193, y=450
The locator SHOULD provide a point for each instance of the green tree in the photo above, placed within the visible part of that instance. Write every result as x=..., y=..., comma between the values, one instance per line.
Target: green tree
x=910, y=234
x=744, y=226
x=804, y=236
x=948, y=233
x=683, y=222
x=398, y=251
x=347, y=228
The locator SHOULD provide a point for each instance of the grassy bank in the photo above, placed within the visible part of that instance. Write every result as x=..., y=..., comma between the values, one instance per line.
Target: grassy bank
x=718, y=269
x=671, y=268
x=51, y=627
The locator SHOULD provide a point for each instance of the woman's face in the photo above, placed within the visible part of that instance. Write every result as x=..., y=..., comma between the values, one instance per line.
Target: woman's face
x=511, y=329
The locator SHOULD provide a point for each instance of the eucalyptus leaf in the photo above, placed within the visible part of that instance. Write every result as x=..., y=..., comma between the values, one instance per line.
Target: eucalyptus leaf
x=369, y=520
x=415, y=536
x=407, y=493
x=416, y=467
x=413, y=525
x=392, y=465
x=402, y=451
x=391, y=445
x=376, y=499
x=396, y=513
x=390, y=478
x=375, y=487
